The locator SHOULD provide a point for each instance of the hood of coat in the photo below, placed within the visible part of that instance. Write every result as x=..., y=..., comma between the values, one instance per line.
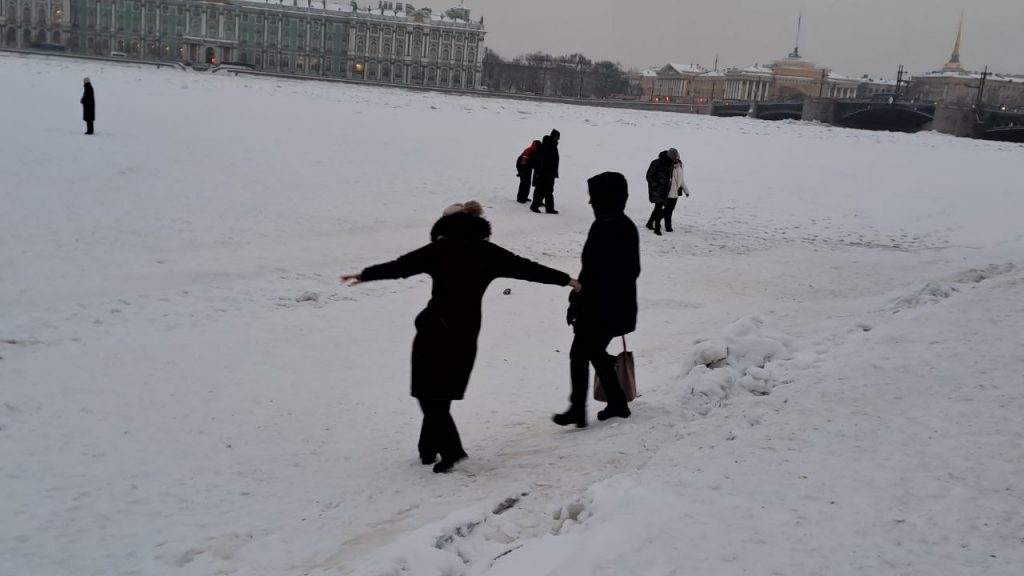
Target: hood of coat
x=461, y=226
x=608, y=193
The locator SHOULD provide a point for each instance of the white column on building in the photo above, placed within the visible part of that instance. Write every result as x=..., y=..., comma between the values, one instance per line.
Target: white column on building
x=220, y=25
x=238, y=27
x=188, y=22
x=202, y=24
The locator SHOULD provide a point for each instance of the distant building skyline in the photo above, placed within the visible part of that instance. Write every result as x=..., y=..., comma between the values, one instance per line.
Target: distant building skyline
x=873, y=37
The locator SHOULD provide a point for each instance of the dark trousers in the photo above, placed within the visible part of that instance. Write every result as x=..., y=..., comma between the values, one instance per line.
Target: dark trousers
x=544, y=194
x=670, y=206
x=525, y=175
x=88, y=126
x=438, y=433
x=656, y=215
x=590, y=348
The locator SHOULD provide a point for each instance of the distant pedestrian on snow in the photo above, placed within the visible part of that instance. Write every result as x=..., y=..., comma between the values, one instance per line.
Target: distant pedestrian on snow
x=545, y=174
x=88, y=106
x=525, y=164
x=659, y=184
x=462, y=262
x=677, y=189
x=607, y=306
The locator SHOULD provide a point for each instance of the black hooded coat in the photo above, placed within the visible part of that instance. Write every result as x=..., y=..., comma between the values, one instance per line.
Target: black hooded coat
x=88, y=104
x=659, y=178
x=462, y=263
x=611, y=263
x=547, y=169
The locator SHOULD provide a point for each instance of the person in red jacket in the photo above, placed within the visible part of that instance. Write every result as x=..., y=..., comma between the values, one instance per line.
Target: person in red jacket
x=525, y=164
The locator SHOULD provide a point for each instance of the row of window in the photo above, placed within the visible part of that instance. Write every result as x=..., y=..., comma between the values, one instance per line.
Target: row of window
x=10, y=38
x=56, y=15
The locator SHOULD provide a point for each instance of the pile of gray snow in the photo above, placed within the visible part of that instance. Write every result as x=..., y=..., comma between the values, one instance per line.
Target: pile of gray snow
x=740, y=361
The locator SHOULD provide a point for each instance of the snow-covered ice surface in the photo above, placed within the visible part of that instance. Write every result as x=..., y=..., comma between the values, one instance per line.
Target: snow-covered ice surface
x=829, y=347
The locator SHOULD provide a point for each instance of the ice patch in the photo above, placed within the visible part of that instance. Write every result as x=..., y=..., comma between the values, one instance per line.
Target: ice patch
x=938, y=290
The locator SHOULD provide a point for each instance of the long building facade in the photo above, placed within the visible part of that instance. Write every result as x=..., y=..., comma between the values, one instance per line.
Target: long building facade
x=389, y=42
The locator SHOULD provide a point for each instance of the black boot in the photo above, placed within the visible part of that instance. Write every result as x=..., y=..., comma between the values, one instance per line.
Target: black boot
x=657, y=229
x=614, y=411
x=447, y=463
x=577, y=416
x=668, y=224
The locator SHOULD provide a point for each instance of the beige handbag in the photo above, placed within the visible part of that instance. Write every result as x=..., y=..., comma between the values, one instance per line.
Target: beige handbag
x=626, y=372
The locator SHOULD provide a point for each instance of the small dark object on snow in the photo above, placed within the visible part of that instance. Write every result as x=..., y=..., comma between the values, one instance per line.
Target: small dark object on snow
x=506, y=291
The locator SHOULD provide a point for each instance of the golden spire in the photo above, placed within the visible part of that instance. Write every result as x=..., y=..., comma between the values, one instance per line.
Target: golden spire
x=954, y=61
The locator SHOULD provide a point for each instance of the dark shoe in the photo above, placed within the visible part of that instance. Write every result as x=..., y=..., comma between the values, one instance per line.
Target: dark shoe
x=650, y=225
x=668, y=228
x=552, y=211
x=522, y=200
x=612, y=411
x=427, y=460
x=657, y=231
x=446, y=464
x=535, y=209
x=571, y=416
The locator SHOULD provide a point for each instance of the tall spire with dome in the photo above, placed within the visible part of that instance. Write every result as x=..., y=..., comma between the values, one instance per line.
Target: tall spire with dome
x=954, y=61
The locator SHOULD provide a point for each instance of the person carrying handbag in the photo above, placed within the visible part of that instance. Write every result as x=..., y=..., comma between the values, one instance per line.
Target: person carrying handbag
x=607, y=307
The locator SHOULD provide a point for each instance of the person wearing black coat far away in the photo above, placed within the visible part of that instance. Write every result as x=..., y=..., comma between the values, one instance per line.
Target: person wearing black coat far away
x=462, y=262
x=88, y=106
x=545, y=174
x=607, y=306
x=659, y=185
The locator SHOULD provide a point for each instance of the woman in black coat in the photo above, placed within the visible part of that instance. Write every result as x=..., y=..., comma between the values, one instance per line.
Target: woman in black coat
x=608, y=307
x=462, y=263
x=88, y=106
x=659, y=184
x=545, y=174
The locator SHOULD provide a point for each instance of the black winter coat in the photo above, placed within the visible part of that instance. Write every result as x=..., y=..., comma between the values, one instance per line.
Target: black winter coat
x=462, y=263
x=88, y=104
x=611, y=264
x=547, y=169
x=659, y=178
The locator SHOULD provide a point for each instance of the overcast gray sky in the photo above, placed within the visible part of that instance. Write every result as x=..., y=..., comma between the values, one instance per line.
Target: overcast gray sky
x=851, y=37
